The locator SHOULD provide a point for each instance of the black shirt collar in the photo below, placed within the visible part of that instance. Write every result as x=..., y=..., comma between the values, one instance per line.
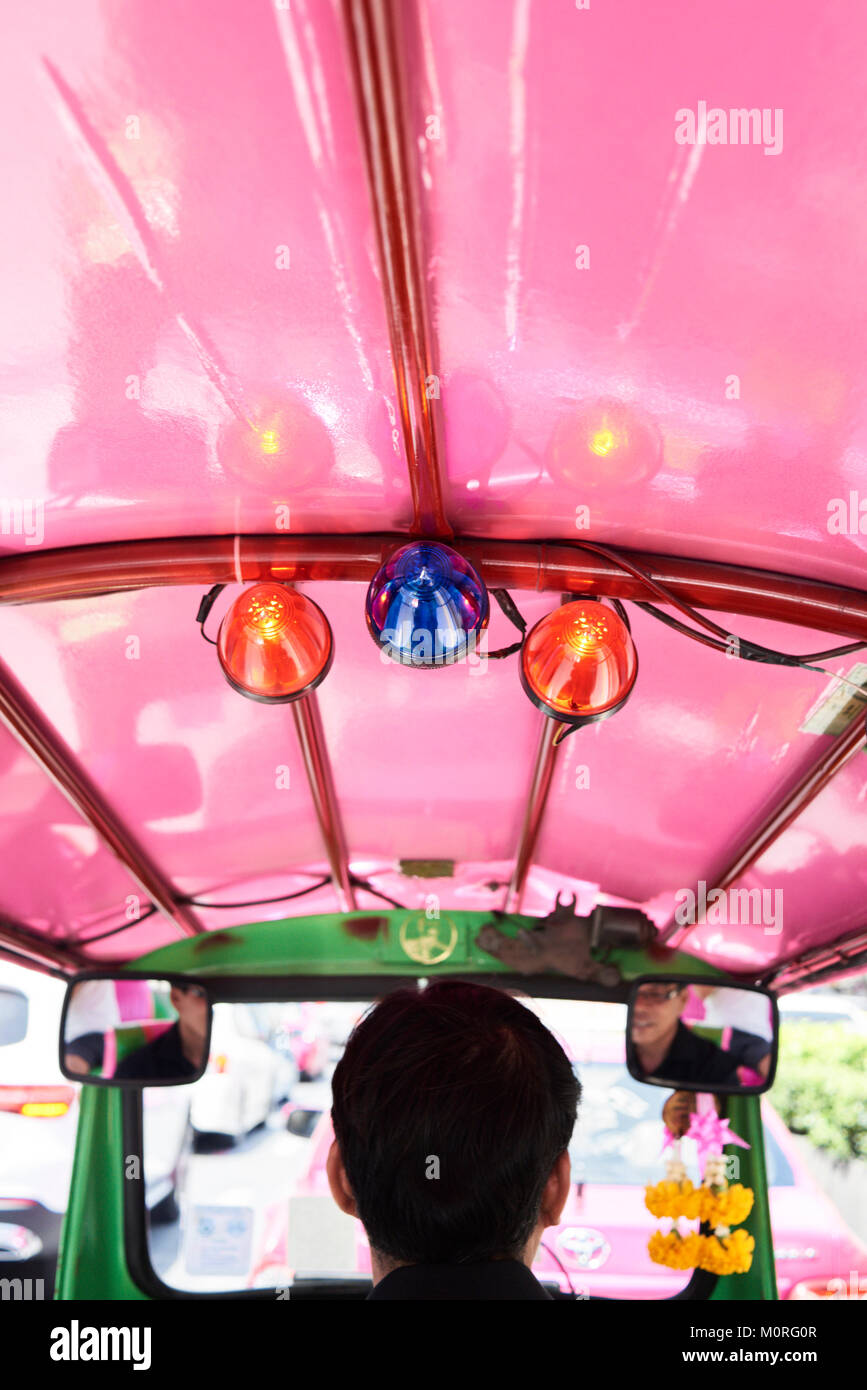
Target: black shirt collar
x=492, y=1279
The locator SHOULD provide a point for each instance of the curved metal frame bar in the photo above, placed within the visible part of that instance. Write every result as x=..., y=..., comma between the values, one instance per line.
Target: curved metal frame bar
x=116, y=566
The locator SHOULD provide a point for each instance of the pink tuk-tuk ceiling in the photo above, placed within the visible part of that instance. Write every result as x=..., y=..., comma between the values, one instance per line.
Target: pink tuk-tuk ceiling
x=426, y=251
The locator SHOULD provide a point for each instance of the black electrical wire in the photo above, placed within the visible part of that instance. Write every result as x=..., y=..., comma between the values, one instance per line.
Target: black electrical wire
x=355, y=880
x=753, y=651
x=750, y=650
x=834, y=651
x=262, y=902
x=510, y=608
x=149, y=911
x=35, y=961
x=621, y=611
x=682, y=627
x=671, y=621
x=207, y=603
x=659, y=589
x=724, y=641
x=198, y=902
x=115, y=931
x=368, y=888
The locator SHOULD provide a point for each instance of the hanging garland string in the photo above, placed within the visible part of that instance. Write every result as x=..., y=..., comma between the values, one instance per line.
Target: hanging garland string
x=714, y=1202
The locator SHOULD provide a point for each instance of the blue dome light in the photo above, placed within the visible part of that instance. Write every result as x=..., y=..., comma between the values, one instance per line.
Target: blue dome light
x=426, y=606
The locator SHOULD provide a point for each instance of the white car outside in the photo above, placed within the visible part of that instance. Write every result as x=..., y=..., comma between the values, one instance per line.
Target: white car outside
x=35, y=1148
x=245, y=1076
x=822, y=1006
x=37, y=1144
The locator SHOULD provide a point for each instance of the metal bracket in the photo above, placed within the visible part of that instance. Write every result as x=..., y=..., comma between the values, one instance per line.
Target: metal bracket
x=562, y=942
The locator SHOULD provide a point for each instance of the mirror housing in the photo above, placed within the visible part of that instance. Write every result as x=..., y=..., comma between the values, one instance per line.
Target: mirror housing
x=135, y=1029
x=302, y=1122
x=698, y=1033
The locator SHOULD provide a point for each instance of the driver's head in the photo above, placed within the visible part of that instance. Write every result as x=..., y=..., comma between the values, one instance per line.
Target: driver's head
x=656, y=1012
x=452, y=1105
x=190, y=1002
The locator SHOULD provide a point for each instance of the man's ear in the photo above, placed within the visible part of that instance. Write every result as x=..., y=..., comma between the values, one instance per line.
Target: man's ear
x=556, y=1192
x=337, y=1181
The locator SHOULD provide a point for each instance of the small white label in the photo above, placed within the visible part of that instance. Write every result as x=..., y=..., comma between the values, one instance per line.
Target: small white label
x=835, y=712
x=219, y=1240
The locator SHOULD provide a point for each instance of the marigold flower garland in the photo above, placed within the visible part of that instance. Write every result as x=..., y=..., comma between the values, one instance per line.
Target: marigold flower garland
x=715, y=1203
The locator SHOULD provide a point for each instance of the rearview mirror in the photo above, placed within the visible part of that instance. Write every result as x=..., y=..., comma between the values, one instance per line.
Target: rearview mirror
x=692, y=1034
x=134, y=1030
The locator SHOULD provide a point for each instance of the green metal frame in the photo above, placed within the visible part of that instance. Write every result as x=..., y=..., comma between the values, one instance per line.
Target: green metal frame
x=92, y=1259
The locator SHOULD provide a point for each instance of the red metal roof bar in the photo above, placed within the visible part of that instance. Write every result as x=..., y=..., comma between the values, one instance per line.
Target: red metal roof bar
x=28, y=724
x=543, y=771
x=315, y=753
x=41, y=967
x=835, y=757
x=22, y=940
x=379, y=40
x=79, y=571
x=822, y=962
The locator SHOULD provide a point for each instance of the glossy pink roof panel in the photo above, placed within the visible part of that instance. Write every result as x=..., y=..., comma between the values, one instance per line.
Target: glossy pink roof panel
x=193, y=248
x=642, y=319
x=709, y=287
x=192, y=252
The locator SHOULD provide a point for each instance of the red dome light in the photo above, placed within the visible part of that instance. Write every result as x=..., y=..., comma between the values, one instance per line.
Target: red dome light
x=579, y=663
x=274, y=644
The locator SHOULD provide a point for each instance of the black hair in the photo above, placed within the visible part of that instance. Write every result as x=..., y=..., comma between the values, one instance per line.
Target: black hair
x=451, y=1106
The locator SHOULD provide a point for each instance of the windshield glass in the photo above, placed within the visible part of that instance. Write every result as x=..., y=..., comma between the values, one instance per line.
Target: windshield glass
x=253, y=1206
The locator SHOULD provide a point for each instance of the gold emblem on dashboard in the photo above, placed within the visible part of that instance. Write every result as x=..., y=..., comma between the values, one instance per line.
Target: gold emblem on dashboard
x=428, y=940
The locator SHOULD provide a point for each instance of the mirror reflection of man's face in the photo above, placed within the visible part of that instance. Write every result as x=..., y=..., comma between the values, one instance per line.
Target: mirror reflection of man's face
x=191, y=1004
x=656, y=1013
